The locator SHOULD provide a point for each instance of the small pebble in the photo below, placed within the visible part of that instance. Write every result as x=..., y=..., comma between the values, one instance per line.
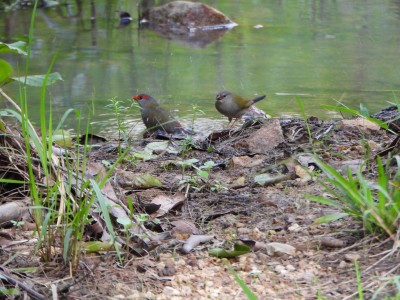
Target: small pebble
x=290, y=268
x=294, y=228
x=342, y=265
x=351, y=257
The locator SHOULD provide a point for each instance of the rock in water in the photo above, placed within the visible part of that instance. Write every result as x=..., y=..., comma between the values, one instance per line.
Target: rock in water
x=186, y=16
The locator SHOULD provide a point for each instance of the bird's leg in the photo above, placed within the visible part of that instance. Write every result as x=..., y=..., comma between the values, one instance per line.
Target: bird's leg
x=230, y=120
x=234, y=122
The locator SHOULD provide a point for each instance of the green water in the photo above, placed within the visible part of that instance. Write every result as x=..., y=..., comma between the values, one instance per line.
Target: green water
x=316, y=51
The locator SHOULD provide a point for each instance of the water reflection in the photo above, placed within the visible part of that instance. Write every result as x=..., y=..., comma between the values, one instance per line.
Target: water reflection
x=312, y=50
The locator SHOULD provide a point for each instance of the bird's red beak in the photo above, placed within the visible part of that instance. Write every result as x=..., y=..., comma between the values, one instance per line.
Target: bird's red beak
x=136, y=98
x=218, y=97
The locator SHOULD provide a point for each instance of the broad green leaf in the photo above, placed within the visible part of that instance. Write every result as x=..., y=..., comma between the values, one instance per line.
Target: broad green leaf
x=9, y=292
x=17, y=47
x=146, y=181
x=143, y=155
x=97, y=246
x=5, y=71
x=330, y=218
x=63, y=138
x=143, y=217
x=39, y=80
x=202, y=173
x=159, y=147
x=238, y=249
x=188, y=162
x=126, y=222
x=209, y=164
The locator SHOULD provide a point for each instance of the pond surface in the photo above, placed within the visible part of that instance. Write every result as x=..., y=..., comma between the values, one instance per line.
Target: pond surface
x=319, y=51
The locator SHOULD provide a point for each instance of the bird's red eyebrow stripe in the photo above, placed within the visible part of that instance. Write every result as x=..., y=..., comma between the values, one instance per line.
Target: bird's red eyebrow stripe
x=139, y=97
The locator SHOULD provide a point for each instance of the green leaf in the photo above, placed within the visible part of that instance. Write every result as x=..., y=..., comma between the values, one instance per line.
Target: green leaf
x=160, y=147
x=126, y=222
x=143, y=155
x=202, y=173
x=330, y=218
x=188, y=162
x=39, y=80
x=238, y=249
x=10, y=291
x=209, y=164
x=378, y=122
x=146, y=181
x=5, y=71
x=62, y=137
x=97, y=246
x=143, y=217
x=17, y=47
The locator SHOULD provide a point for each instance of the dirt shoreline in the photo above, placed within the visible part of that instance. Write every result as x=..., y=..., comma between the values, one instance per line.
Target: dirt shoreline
x=233, y=205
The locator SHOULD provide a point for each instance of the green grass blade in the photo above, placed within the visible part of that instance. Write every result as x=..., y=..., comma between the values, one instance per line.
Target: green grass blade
x=324, y=200
x=341, y=109
x=250, y=295
x=106, y=215
x=330, y=218
x=303, y=112
x=359, y=285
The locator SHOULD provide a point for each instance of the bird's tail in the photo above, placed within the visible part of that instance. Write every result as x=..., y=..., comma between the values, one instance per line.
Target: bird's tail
x=255, y=100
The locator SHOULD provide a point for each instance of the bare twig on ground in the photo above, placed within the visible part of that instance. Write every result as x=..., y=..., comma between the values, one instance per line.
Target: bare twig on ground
x=34, y=294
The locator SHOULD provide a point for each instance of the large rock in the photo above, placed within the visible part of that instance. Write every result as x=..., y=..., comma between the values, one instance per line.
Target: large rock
x=193, y=23
x=267, y=138
x=359, y=124
x=185, y=14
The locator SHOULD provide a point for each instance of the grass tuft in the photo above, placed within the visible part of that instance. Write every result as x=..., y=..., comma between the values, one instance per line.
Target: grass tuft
x=375, y=203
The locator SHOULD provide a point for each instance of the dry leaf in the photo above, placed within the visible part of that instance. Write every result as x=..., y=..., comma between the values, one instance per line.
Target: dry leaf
x=183, y=226
x=167, y=203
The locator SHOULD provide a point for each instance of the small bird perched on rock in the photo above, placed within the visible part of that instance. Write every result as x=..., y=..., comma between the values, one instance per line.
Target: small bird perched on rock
x=234, y=106
x=155, y=117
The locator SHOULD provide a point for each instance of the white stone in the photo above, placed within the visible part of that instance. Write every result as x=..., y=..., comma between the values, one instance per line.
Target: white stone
x=278, y=249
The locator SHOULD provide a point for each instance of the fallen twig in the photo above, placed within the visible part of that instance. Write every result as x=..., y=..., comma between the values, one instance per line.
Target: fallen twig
x=10, y=280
